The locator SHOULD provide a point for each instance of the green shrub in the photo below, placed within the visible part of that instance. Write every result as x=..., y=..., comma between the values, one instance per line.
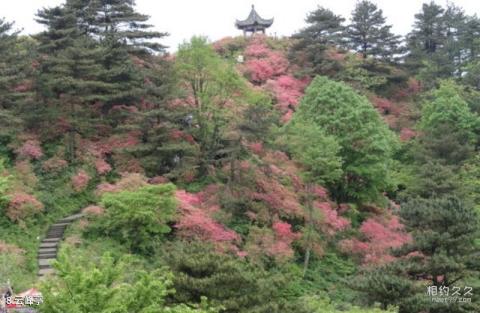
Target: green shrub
x=138, y=219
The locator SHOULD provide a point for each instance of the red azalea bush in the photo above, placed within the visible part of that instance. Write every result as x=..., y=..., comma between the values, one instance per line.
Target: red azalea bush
x=331, y=222
x=287, y=91
x=275, y=242
x=128, y=182
x=80, y=181
x=22, y=206
x=196, y=222
x=384, y=106
x=407, y=133
x=102, y=167
x=93, y=210
x=30, y=150
x=263, y=63
x=379, y=237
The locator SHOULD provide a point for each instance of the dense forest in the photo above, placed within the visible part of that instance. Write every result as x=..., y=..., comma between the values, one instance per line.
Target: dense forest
x=336, y=170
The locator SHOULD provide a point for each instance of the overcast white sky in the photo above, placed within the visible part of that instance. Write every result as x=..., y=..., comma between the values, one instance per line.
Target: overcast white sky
x=216, y=18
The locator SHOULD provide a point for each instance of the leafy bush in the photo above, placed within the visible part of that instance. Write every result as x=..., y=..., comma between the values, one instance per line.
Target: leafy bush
x=107, y=286
x=139, y=219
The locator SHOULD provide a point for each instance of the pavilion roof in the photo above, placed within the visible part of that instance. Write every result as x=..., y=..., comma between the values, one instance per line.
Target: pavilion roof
x=254, y=19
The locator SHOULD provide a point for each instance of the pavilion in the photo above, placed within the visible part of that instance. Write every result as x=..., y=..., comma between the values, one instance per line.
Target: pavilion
x=254, y=23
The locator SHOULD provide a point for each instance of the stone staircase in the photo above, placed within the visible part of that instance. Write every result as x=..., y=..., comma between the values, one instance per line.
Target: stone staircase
x=47, y=252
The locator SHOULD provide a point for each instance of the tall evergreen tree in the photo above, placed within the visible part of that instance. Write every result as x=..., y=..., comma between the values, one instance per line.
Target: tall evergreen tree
x=444, y=232
x=324, y=30
x=68, y=75
x=8, y=74
x=123, y=33
x=428, y=30
x=439, y=44
x=369, y=34
x=225, y=280
x=15, y=70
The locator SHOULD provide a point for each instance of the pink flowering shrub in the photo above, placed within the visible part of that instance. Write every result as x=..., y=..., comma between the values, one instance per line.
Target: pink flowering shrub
x=128, y=182
x=101, y=148
x=331, y=222
x=30, y=150
x=54, y=164
x=80, y=181
x=283, y=231
x=9, y=248
x=379, y=236
x=275, y=242
x=25, y=175
x=22, y=206
x=281, y=200
x=287, y=92
x=93, y=210
x=256, y=147
x=407, y=133
x=196, y=222
x=263, y=63
x=228, y=45
x=385, y=106
x=102, y=167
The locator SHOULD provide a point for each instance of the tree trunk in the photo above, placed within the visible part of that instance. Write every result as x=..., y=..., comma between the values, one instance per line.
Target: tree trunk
x=310, y=226
x=306, y=261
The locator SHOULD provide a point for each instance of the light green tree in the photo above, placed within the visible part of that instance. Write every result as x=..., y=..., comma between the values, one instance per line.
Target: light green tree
x=366, y=144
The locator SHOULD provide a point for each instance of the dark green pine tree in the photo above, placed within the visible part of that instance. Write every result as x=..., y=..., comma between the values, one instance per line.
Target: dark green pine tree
x=470, y=43
x=225, y=280
x=9, y=77
x=426, y=44
x=161, y=152
x=15, y=69
x=444, y=232
x=68, y=76
x=324, y=30
x=428, y=29
x=8, y=73
x=453, y=51
x=369, y=34
x=123, y=33
x=470, y=38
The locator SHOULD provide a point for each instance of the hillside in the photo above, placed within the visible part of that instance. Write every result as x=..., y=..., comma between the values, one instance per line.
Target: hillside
x=314, y=173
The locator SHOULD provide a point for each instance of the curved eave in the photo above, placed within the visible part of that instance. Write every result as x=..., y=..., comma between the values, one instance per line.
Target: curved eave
x=248, y=24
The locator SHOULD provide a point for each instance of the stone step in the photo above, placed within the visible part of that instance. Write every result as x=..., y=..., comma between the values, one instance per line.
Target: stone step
x=54, y=239
x=60, y=225
x=71, y=218
x=40, y=267
x=48, y=245
x=55, y=233
x=53, y=230
x=46, y=271
x=43, y=254
x=47, y=250
x=45, y=262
